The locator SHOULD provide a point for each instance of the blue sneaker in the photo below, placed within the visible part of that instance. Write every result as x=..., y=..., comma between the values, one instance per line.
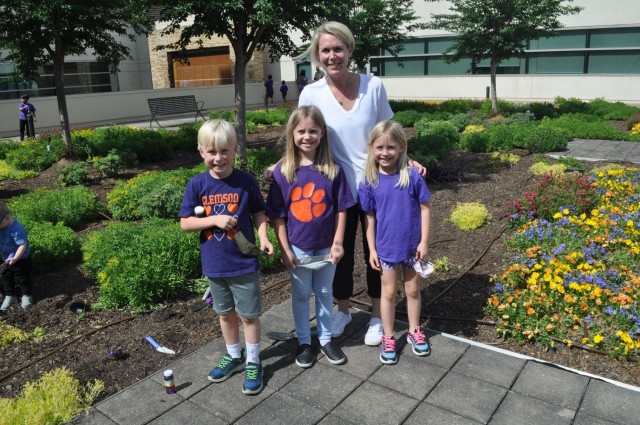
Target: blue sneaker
x=227, y=367
x=388, y=353
x=418, y=342
x=252, y=379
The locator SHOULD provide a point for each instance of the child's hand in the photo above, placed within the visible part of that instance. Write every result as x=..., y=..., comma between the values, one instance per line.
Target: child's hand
x=289, y=259
x=268, y=174
x=423, y=251
x=375, y=261
x=225, y=222
x=267, y=247
x=337, y=252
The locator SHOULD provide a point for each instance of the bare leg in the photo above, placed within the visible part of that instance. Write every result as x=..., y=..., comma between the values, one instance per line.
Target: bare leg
x=412, y=290
x=388, y=300
x=230, y=328
x=252, y=330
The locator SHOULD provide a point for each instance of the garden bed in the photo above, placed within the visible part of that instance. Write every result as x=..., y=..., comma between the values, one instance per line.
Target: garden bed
x=459, y=294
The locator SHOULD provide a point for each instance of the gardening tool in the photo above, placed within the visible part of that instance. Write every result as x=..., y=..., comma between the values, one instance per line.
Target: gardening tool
x=286, y=336
x=246, y=247
x=159, y=348
x=200, y=304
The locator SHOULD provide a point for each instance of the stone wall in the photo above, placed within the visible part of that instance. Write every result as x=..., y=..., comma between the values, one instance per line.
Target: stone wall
x=160, y=64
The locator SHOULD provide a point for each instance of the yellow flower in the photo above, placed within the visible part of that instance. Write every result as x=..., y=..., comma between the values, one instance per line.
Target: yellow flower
x=598, y=338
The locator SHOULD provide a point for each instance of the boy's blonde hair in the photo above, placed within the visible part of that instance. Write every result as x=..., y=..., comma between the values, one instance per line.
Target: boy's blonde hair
x=396, y=133
x=334, y=28
x=217, y=134
x=323, y=161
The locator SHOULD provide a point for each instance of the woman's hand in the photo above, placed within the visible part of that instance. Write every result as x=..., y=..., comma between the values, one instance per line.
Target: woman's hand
x=422, y=170
x=268, y=174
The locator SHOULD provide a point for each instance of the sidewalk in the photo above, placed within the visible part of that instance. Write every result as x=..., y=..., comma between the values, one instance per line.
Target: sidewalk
x=461, y=382
x=601, y=150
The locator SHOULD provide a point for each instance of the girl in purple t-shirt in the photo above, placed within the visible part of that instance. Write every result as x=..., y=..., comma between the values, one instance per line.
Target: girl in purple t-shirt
x=307, y=205
x=395, y=199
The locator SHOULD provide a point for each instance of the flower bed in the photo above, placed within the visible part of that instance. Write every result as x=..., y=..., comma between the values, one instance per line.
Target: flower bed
x=576, y=277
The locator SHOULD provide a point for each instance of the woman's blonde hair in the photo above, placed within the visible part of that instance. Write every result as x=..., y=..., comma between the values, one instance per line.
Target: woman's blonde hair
x=323, y=160
x=337, y=29
x=396, y=133
x=217, y=134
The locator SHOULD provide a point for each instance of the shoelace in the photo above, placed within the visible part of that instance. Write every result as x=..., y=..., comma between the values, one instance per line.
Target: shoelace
x=418, y=337
x=252, y=374
x=226, y=361
x=388, y=344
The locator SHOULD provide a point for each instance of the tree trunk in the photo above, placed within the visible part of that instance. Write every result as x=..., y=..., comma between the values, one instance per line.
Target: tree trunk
x=241, y=100
x=494, y=96
x=61, y=97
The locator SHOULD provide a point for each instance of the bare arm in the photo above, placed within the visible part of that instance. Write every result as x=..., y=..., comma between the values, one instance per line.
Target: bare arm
x=288, y=257
x=19, y=253
x=198, y=224
x=370, y=229
x=337, y=248
x=425, y=228
x=260, y=220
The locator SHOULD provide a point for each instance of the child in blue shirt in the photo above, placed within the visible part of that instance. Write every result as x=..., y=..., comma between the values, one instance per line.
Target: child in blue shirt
x=231, y=200
x=26, y=112
x=15, y=252
x=284, y=88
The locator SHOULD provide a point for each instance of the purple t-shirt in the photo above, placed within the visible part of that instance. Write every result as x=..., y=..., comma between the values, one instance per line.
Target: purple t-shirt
x=23, y=113
x=237, y=195
x=309, y=205
x=398, y=220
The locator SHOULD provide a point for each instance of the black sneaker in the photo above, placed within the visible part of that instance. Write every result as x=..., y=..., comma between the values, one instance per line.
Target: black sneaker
x=333, y=352
x=304, y=356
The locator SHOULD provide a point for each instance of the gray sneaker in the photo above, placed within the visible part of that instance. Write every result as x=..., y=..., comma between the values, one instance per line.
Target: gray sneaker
x=27, y=301
x=8, y=302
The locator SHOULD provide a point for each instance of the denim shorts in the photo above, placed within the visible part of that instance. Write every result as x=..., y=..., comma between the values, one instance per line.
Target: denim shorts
x=237, y=293
x=406, y=264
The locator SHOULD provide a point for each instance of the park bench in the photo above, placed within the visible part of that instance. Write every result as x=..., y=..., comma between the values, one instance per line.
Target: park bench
x=174, y=105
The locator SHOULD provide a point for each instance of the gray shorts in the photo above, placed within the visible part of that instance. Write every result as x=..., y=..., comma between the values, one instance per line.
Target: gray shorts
x=237, y=293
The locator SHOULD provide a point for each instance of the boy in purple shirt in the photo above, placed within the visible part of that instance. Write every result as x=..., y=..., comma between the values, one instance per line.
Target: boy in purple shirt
x=27, y=114
x=230, y=199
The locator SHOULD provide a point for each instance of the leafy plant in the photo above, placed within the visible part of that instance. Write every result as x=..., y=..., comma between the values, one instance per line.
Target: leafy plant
x=140, y=265
x=52, y=245
x=10, y=334
x=150, y=194
x=71, y=206
x=55, y=398
x=407, y=118
x=584, y=126
x=543, y=109
x=571, y=162
x=109, y=166
x=469, y=216
x=73, y=174
x=611, y=110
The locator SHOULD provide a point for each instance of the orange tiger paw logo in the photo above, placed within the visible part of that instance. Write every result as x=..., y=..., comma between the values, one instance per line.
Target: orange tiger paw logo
x=307, y=203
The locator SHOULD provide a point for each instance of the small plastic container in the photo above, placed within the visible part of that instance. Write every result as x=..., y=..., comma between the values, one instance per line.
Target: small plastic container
x=169, y=384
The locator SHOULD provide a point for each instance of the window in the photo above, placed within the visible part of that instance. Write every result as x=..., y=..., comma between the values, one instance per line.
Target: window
x=202, y=67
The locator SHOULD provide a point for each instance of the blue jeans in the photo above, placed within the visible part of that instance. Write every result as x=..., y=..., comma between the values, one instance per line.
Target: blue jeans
x=320, y=281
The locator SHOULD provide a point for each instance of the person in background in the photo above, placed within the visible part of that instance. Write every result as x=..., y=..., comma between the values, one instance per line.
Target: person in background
x=232, y=201
x=302, y=80
x=27, y=115
x=16, y=257
x=284, y=88
x=395, y=199
x=269, y=90
x=307, y=205
x=318, y=75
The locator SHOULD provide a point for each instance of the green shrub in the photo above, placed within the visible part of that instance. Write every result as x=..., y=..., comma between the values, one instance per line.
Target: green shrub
x=470, y=215
x=229, y=115
x=273, y=262
x=275, y=116
x=7, y=146
x=258, y=160
x=109, y=166
x=36, y=155
x=611, y=110
x=474, y=141
x=52, y=245
x=150, y=194
x=414, y=105
x=407, y=118
x=55, y=398
x=71, y=206
x=505, y=137
x=571, y=162
x=459, y=106
x=434, y=138
x=461, y=121
x=186, y=137
x=141, y=264
x=584, y=126
x=520, y=118
x=8, y=171
x=570, y=106
x=435, y=116
x=543, y=109
x=73, y=174
x=251, y=127
x=542, y=139
x=146, y=145
x=504, y=107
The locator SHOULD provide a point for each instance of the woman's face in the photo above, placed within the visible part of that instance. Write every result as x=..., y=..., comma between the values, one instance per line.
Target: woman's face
x=333, y=54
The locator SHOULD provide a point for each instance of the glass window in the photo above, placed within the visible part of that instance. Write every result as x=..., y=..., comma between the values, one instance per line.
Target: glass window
x=565, y=40
x=439, y=45
x=556, y=63
x=437, y=66
x=614, y=62
x=414, y=47
x=405, y=67
x=615, y=37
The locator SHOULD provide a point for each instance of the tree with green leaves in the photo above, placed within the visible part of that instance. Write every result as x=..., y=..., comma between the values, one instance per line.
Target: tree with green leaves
x=248, y=25
x=498, y=29
x=43, y=32
x=376, y=25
